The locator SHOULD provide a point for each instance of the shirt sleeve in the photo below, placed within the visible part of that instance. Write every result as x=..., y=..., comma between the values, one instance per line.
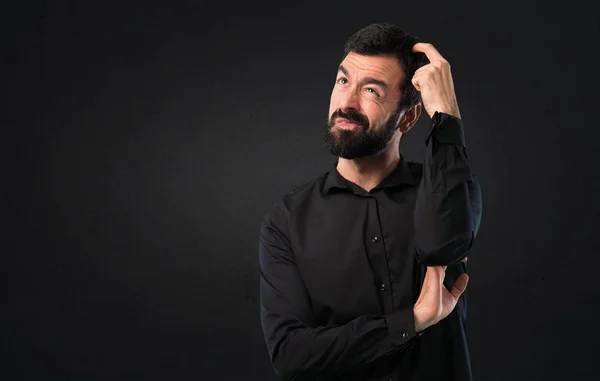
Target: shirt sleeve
x=448, y=206
x=299, y=348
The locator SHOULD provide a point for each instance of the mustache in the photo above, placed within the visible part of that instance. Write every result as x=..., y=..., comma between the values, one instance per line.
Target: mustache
x=352, y=116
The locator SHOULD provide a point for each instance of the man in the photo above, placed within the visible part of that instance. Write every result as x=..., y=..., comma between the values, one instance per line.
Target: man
x=363, y=269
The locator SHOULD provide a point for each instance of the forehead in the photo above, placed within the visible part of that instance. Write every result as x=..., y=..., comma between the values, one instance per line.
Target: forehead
x=384, y=67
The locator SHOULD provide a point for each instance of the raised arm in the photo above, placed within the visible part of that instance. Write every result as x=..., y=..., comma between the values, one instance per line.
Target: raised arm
x=448, y=206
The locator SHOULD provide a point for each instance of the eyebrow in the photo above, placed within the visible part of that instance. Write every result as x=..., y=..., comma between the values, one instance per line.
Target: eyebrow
x=366, y=80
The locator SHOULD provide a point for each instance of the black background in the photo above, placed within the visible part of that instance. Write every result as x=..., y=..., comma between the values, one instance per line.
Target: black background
x=144, y=142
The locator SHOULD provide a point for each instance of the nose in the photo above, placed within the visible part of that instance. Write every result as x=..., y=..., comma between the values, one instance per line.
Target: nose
x=350, y=100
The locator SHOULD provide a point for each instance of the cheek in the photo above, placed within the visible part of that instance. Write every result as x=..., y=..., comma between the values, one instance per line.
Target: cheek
x=334, y=97
x=377, y=113
x=333, y=103
x=373, y=113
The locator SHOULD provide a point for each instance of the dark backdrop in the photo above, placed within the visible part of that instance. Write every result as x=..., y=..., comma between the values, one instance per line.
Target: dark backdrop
x=143, y=144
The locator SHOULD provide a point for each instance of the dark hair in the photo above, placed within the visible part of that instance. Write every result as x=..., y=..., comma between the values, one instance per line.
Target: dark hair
x=388, y=39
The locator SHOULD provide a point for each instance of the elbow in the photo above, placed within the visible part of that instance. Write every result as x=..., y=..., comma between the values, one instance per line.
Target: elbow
x=288, y=374
x=287, y=364
x=287, y=370
x=445, y=253
x=287, y=346
x=283, y=367
x=284, y=373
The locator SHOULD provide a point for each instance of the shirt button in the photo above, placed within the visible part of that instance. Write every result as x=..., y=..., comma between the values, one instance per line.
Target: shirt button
x=375, y=239
x=404, y=335
x=382, y=287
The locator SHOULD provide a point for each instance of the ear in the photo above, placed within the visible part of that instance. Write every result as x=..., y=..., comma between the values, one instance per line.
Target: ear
x=410, y=117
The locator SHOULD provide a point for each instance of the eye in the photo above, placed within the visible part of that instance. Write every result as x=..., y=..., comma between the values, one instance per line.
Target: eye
x=372, y=91
x=342, y=81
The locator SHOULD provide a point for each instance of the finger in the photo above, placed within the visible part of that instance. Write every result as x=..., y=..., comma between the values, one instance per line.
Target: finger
x=431, y=280
x=422, y=69
x=432, y=290
x=428, y=49
x=460, y=285
x=425, y=287
x=415, y=82
x=442, y=274
x=465, y=259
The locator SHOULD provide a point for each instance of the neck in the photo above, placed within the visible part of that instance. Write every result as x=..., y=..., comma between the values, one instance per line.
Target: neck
x=368, y=172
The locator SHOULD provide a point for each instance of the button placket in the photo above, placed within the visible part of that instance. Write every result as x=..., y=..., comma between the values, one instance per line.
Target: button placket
x=376, y=251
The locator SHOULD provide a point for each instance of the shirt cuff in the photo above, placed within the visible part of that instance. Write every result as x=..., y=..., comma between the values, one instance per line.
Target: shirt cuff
x=401, y=327
x=447, y=129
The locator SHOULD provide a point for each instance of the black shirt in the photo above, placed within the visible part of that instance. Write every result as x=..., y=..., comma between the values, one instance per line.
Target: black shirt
x=341, y=268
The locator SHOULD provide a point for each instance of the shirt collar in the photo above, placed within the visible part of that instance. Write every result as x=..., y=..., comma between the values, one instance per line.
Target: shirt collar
x=402, y=174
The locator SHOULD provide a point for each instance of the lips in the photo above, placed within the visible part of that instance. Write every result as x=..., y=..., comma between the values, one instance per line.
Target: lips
x=345, y=123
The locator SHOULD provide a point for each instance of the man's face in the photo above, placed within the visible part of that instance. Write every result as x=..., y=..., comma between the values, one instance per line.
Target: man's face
x=363, y=109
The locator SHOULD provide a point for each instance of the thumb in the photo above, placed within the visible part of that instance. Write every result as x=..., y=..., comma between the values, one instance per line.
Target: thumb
x=460, y=285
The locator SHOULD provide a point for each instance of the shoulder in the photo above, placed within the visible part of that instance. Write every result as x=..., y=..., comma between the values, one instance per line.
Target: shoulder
x=294, y=199
x=304, y=191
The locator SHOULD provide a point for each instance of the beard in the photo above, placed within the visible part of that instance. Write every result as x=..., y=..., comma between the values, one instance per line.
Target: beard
x=361, y=141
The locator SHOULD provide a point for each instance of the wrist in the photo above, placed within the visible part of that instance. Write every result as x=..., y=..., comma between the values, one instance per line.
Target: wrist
x=453, y=111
